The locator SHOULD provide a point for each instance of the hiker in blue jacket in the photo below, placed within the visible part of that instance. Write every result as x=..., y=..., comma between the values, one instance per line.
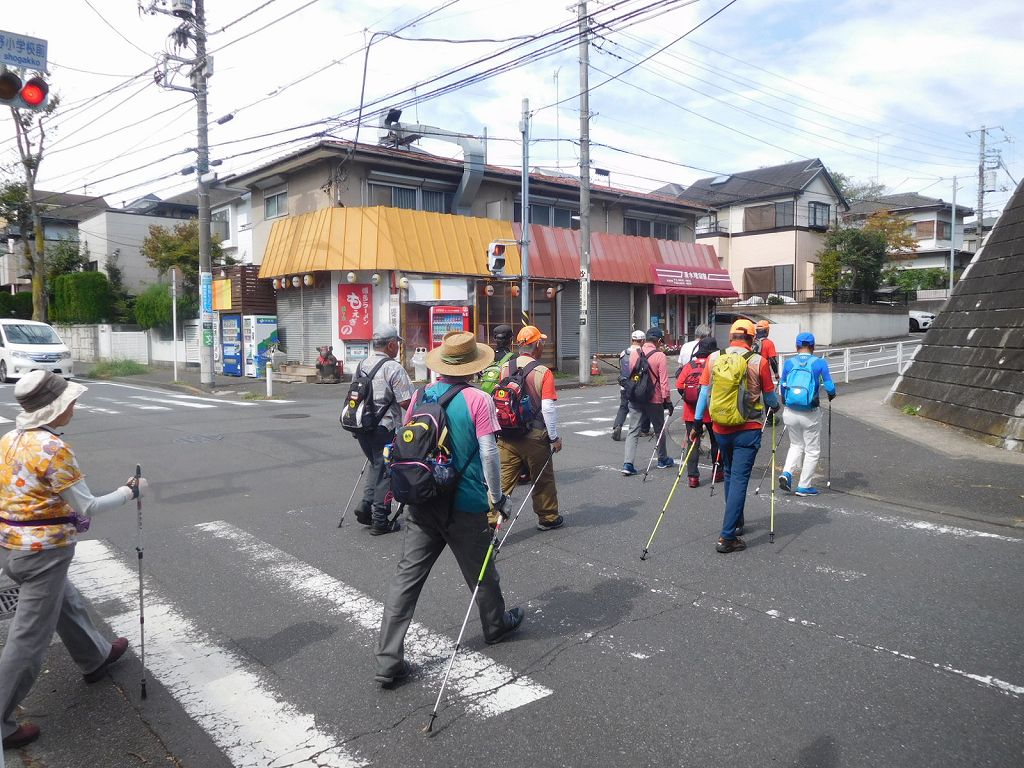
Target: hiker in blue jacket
x=802, y=378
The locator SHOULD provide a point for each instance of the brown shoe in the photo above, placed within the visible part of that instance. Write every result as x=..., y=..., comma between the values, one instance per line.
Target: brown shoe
x=26, y=734
x=725, y=546
x=117, y=649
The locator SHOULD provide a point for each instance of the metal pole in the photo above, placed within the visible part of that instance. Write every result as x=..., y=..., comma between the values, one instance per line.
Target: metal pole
x=952, y=240
x=174, y=317
x=584, y=194
x=524, y=242
x=979, y=213
x=199, y=83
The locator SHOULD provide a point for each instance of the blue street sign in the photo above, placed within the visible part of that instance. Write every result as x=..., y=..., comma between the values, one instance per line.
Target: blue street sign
x=22, y=52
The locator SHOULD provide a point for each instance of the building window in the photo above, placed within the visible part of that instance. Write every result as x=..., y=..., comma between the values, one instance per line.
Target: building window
x=275, y=203
x=924, y=230
x=661, y=230
x=818, y=215
x=784, y=214
x=942, y=231
x=219, y=222
x=549, y=215
x=410, y=198
x=770, y=216
x=784, y=279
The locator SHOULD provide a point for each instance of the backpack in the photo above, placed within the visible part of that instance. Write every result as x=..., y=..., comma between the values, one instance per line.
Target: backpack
x=801, y=385
x=512, y=401
x=729, y=406
x=688, y=382
x=491, y=375
x=419, y=459
x=358, y=415
x=640, y=384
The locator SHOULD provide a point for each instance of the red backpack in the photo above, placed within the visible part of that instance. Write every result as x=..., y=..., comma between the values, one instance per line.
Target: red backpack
x=688, y=383
x=513, y=402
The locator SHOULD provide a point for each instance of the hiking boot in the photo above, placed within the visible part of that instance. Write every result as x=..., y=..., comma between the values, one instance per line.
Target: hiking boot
x=800, y=491
x=117, y=649
x=364, y=513
x=26, y=734
x=389, y=681
x=693, y=481
x=617, y=433
x=628, y=469
x=380, y=530
x=513, y=619
x=666, y=463
x=551, y=525
x=524, y=478
x=786, y=482
x=725, y=546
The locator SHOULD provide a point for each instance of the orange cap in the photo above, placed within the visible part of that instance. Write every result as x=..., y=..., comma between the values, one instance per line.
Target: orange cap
x=763, y=325
x=742, y=326
x=529, y=335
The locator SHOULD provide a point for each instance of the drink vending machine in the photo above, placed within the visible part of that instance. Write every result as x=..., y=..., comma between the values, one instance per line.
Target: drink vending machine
x=231, y=344
x=259, y=333
x=445, y=319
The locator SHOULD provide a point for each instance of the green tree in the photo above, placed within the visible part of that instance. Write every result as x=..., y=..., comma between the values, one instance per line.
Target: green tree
x=179, y=248
x=81, y=297
x=896, y=231
x=65, y=256
x=123, y=303
x=860, y=255
x=857, y=191
x=153, y=307
x=915, y=279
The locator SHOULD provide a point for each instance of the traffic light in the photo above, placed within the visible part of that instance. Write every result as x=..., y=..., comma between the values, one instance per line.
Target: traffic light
x=496, y=258
x=32, y=94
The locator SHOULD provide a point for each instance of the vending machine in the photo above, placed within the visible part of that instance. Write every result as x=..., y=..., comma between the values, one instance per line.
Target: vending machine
x=259, y=334
x=445, y=319
x=231, y=344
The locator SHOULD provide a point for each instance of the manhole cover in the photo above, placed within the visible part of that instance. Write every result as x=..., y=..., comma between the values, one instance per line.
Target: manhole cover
x=8, y=600
x=290, y=416
x=199, y=439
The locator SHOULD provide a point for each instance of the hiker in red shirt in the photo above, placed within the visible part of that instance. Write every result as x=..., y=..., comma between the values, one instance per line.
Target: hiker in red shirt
x=688, y=386
x=765, y=347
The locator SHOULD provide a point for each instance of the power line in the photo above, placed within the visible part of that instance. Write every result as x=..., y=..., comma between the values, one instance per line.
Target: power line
x=260, y=29
x=241, y=18
x=116, y=30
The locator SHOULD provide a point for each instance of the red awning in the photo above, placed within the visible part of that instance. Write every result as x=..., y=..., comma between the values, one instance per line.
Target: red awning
x=555, y=255
x=672, y=279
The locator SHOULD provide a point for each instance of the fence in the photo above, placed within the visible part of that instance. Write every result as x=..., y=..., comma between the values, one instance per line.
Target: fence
x=821, y=296
x=867, y=360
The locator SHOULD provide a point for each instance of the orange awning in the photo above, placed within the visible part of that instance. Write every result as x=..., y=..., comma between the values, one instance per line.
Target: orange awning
x=385, y=239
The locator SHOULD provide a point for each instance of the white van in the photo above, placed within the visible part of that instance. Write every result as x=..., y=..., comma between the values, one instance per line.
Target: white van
x=26, y=345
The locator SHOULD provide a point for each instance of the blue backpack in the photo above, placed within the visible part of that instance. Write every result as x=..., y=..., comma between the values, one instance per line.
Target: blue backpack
x=802, y=384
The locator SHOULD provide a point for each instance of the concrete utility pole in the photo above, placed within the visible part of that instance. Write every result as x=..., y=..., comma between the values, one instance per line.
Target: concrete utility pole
x=952, y=240
x=980, y=211
x=584, y=193
x=199, y=78
x=524, y=240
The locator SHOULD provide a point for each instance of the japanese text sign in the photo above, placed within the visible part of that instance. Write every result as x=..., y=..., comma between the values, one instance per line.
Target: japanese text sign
x=355, y=311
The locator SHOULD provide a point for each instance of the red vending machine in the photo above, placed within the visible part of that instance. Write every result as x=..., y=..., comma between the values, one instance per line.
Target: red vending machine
x=444, y=319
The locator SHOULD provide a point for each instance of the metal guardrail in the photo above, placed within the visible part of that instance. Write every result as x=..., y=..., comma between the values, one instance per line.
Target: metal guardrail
x=886, y=357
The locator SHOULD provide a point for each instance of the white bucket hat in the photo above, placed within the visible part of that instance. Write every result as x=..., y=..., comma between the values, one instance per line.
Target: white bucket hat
x=43, y=397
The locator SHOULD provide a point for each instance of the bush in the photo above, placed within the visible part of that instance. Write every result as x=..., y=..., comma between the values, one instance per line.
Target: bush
x=81, y=297
x=117, y=368
x=153, y=307
x=18, y=305
x=776, y=300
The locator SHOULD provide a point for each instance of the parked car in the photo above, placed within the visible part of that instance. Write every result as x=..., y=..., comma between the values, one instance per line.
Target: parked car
x=920, y=321
x=26, y=346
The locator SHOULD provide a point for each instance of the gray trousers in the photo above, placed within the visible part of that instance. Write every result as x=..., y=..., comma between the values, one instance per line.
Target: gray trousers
x=427, y=531
x=47, y=601
x=377, y=486
x=652, y=413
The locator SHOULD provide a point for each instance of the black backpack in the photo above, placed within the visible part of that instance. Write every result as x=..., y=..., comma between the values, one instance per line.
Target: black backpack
x=512, y=400
x=420, y=458
x=359, y=415
x=639, y=387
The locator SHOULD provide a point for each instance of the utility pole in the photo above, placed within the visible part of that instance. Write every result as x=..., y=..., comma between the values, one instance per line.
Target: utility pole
x=524, y=241
x=952, y=240
x=584, y=193
x=980, y=211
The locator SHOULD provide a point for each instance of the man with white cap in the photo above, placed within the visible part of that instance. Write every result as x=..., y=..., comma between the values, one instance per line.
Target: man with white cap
x=636, y=341
x=392, y=390
x=44, y=503
x=458, y=520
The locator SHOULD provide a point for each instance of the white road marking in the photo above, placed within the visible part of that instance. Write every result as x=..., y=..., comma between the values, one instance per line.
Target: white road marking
x=921, y=525
x=844, y=575
x=4, y=420
x=603, y=418
x=155, y=391
x=572, y=423
x=592, y=432
x=246, y=403
x=172, y=402
x=228, y=696
x=492, y=688
x=986, y=680
x=94, y=408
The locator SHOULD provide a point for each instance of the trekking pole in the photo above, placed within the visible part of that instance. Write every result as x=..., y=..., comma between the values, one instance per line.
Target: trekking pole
x=771, y=525
x=664, y=509
x=828, y=483
x=654, y=453
x=774, y=446
x=492, y=552
x=352, y=495
x=139, y=549
x=714, y=470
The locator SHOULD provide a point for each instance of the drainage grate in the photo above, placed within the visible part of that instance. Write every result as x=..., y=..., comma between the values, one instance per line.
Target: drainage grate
x=8, y=600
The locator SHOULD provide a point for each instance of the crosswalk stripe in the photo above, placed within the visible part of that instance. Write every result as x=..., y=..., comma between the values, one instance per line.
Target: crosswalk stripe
x=246, y=403
x=491, y=688
x=232, y=699
x=171, y=402
x=592, y=433
x=4, y=420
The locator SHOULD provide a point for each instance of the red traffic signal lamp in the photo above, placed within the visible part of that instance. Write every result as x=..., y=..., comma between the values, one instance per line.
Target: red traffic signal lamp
x=496, y=258
x=23, y=95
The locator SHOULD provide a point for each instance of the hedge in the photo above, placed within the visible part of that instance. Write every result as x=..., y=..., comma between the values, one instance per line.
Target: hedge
x=81, y=297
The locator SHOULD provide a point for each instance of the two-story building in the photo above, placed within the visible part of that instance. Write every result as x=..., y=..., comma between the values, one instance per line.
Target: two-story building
x=767, y=225
x=338, y=226
x=932, y=224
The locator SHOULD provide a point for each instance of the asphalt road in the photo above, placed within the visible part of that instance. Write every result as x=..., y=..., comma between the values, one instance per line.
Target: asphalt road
x=869, y=633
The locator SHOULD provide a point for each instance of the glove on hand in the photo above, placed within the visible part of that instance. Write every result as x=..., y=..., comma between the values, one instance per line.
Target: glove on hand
x=669, y=407
x=137, y=487
x=499, y=506
x=831, y=396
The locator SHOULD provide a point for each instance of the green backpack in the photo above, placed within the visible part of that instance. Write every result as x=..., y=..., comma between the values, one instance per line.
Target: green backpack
x=730, y=406
x=491, y=375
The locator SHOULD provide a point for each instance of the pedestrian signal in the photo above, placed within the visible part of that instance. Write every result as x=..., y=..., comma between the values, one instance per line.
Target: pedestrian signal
x=496, y=258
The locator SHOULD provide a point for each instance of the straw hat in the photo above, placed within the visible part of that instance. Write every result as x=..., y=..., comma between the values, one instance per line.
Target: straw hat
x=459, y=355
x=43, y=397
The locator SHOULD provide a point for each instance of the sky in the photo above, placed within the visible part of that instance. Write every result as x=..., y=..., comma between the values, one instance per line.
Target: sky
x=875, y=89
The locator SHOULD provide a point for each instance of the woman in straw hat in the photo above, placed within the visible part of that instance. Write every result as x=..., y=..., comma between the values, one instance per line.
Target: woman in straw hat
x=459, y=522
x=44, y=503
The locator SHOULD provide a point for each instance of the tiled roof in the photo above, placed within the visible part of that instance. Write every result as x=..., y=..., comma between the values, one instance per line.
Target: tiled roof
x=64, y=206
x=903, y=201
x=753, y=185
